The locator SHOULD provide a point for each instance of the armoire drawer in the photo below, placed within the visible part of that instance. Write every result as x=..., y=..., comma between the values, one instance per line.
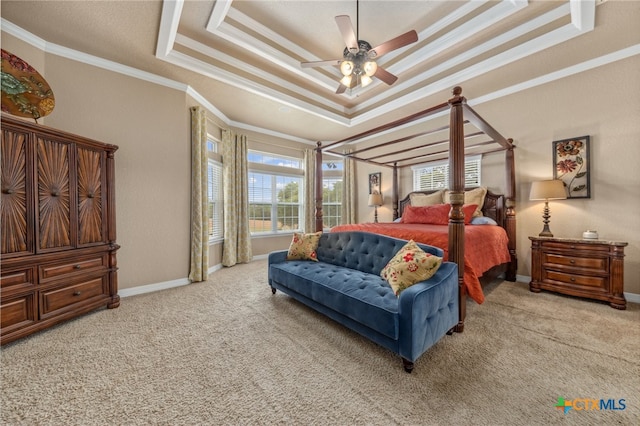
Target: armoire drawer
x=17, y=312
x=65, y=297
x=71, y=268
x=16, y=279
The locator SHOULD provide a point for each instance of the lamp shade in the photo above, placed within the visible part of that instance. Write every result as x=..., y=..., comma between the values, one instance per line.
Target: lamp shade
x=548, y=190
x=375, y=199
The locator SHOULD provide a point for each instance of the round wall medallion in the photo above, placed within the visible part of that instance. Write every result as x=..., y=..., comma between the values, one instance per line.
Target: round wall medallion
x=25, y=92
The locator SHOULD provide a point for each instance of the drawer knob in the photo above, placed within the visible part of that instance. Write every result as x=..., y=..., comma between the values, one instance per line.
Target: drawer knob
x=573, y=247
x=572, y=261
x=77, y=293
x=8, y=191
x=573, y=279
x=55, y=193
x=90, y=195
x=77, y=267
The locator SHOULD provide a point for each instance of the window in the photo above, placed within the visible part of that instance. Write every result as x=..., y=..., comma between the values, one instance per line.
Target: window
x=332, y=172
x=436, y=175
x=214, y=191
x=275, y=193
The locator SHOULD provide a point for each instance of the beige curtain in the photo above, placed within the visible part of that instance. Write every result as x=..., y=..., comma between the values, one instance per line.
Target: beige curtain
x=349, y=191
x=235, y=178
x=309, y=190
x=198, y=270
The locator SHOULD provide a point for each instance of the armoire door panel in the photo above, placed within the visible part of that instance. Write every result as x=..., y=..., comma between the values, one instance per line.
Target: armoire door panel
x=91, y=178
x=54, y=195
x=16, y=210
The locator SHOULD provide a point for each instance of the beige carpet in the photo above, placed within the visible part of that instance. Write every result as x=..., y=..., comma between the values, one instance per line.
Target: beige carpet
x=228, y=352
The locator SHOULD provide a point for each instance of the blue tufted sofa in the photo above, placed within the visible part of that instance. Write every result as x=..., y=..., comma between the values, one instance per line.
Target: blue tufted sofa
x=345, y=285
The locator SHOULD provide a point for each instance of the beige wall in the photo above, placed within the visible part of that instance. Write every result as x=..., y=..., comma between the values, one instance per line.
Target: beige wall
x=150, y=124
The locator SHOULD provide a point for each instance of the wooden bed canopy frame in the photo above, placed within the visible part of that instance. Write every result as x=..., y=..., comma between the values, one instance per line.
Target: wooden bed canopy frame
x=502, y=207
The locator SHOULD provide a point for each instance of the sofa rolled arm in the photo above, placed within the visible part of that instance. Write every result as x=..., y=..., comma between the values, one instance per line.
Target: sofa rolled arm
x=278, y=256
x=427, y=310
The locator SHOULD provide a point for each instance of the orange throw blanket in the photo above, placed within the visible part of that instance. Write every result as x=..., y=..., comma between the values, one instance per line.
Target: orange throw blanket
x=485, y=246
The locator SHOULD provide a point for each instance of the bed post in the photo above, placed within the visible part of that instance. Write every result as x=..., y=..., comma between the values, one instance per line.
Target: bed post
x=394, y=199
x=510, y=215
x=318, y=186
x=456, y=197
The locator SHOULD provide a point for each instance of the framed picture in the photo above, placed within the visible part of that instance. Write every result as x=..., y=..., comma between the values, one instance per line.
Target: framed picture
x=572, y=166
x=374, y=182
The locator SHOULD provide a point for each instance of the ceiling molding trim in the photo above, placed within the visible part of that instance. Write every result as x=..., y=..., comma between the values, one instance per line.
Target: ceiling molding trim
x=234, y=35
x=18, y=32
x=530, y=47
x=85, y=58
x=560, y=74
x=218, y=13
x=230, y=60
x=208, y=105
x=260, y=130
x=463, y=32
x=208, y=70
x=169, y=21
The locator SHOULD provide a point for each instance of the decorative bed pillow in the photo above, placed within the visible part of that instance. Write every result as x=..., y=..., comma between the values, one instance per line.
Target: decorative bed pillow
x=435, y=215
x=483, y=220
x=303, y=246
x=474, y=196
x=418, y=200
x=409, y=266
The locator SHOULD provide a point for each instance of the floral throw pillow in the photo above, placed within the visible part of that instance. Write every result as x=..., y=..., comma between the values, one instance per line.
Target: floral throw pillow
x=303, y=246
x=409, y=266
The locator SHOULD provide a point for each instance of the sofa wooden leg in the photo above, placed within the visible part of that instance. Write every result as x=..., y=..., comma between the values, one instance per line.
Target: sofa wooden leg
x=459, y=328
x=408, y=365
x=273, y=290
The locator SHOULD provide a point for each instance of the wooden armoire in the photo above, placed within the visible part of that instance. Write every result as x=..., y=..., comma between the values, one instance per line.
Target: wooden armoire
x=58, y=227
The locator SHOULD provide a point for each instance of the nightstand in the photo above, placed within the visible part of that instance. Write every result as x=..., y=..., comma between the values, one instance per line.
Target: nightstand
x=586, y=268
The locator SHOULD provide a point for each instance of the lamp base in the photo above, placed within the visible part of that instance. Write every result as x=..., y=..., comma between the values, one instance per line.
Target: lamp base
x=546, y=232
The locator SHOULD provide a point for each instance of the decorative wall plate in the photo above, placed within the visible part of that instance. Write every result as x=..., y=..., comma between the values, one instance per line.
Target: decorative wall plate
x=25, y=92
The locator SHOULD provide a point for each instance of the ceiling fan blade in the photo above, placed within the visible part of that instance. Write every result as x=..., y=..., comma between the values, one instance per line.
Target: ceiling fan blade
x=396, y=43
x=341, y=89
x=312, y=64
x=385, y=76
x=346, y=29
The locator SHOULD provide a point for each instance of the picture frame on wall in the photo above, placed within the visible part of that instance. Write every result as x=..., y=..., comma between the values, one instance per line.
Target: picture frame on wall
x=571, y=165
x=374, y=182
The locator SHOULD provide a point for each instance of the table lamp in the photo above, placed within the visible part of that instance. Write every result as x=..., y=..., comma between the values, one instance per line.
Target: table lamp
x=375, y=200
x=547, y=190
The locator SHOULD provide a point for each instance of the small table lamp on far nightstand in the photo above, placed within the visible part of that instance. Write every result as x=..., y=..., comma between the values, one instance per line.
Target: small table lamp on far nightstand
x=375, y=200
x=547, y=190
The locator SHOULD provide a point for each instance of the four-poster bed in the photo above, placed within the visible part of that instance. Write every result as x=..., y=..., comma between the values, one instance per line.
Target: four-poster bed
x=500, y=208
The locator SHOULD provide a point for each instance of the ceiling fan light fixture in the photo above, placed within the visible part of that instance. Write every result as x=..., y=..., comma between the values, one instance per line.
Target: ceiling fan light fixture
x=365, y=80
x=346, y=80
x=346, y=68
x=370, y=68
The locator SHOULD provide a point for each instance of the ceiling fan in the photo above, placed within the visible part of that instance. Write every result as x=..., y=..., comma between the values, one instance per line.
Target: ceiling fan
x=359, y=64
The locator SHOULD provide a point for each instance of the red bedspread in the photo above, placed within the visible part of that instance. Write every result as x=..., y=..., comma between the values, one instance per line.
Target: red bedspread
x=485, y=246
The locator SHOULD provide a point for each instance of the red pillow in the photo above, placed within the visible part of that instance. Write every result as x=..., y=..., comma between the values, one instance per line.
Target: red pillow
x=437, y=214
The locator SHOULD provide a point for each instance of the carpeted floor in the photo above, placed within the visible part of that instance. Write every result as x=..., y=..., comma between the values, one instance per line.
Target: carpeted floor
x=228, y=352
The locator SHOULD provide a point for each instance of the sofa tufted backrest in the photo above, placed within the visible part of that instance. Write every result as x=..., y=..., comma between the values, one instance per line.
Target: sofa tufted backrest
x=362, y=251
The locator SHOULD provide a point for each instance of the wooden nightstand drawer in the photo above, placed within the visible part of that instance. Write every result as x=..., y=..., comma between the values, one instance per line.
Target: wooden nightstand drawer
x=594, y=263
x=575, y=279
x=583, y=268
x=59, y=298
x=70, y=268
x=602, y=248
